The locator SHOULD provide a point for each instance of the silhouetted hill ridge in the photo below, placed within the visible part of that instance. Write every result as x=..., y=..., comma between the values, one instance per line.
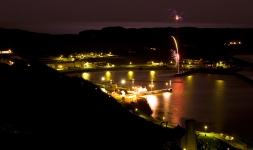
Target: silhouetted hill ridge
x=192, y=42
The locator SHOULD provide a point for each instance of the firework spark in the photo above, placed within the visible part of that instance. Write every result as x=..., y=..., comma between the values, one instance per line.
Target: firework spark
x=175, y=15
x=175, y=56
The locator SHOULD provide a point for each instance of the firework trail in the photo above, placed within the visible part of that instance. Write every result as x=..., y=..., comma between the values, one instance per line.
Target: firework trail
x=175, y=15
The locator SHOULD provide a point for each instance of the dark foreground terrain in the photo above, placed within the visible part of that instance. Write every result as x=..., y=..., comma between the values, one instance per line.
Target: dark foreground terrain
x=42, y=108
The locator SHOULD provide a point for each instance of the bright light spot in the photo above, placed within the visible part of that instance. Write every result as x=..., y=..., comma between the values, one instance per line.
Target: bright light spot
x=108, y=75
x=103, y=78
x=152, y=75
x=130, y=75
x=152, y=72
x=152, y=100
x=123, y=93
x=103, y=89
x=166, y=95
x=86, y=76
x=123, y=81
x=6, y=52
x=189, y=77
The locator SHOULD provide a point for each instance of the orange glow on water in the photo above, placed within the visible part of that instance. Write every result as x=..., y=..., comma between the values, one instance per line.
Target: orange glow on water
x=152, y=100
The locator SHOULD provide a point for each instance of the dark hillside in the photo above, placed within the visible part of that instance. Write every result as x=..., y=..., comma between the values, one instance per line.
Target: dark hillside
x=40, y=107
x=37, y=44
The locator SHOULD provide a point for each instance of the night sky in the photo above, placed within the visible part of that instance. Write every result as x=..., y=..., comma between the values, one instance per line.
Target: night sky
x=73, y=16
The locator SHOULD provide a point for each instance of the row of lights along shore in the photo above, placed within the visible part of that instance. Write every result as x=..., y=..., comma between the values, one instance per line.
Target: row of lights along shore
x=151, y=85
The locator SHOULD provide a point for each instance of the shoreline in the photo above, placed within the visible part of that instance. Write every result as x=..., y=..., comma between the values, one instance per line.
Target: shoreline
x=240, y=74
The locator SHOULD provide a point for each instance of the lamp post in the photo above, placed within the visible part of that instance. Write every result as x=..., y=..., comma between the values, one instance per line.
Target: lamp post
x=151, y=86
x=132, y=83
x=205, y=128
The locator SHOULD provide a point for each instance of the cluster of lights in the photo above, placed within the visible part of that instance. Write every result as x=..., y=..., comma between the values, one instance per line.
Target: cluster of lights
x=91, y=54
x=11, y=63
x=233, y=43
x=6, y=52
x=139, y=89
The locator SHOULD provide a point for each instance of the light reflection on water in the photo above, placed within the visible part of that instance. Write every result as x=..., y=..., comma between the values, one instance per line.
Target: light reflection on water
x=222, y=102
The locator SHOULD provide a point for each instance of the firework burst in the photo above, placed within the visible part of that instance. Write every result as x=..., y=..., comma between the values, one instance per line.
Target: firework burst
x=175, y=15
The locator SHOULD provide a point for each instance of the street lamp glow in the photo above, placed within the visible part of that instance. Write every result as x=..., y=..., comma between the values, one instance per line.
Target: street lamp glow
x=123, y=81
x=205, y=128
x=151, y=86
